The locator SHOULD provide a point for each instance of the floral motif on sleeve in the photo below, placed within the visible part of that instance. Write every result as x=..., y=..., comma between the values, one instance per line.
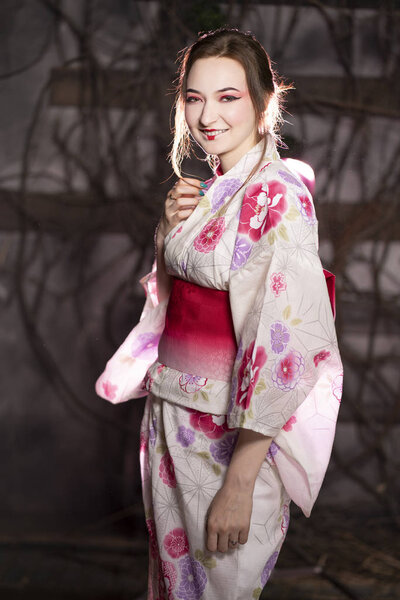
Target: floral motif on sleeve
x=263, y=207
x=288, y=370
x=169, y=572
x=280, y=337
x=337, y=385
x=288, y=426
x=210, y=235
x=176, y=543
x=145, y=345
x=249, y=372
x=278, y=283
x=306, y=209
x=323, y=355
x=270, y=564
x=223, y=191
x=166, y=470
x=110, y=390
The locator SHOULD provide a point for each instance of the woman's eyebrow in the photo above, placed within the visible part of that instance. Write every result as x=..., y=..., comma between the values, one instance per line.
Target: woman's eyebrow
x=218, y=91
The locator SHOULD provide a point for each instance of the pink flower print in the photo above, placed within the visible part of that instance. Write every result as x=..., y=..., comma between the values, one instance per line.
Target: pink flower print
x=241, y=253
x=270, y=564
x=279, y=337
x=153, y=537
x=306, y=209
x=166, y=470
x=222, y=191
x=110, y=390
x=145, y=345
x=249, y=372
x=288, y=426
x=288, y=370
x=337, y=385
x=323, y=355
x=160, y=368
x=176, y=543
x=262, y=208
x=210, y=235
x=285, y=519
x=213, y=426
x=169, y=572
x=277, y=283
x=193, y=579
x=191, y=383
x=176, y=232
x=185, y=436
x=148, y=381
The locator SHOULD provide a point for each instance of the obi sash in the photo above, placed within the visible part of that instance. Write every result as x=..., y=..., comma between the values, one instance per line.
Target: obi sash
x=198, y=337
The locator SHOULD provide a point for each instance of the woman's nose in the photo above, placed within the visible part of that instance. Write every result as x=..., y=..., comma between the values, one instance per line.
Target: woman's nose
x=208, y=114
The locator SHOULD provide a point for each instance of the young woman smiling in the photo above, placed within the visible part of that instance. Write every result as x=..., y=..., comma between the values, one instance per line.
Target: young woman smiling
x=237, y=338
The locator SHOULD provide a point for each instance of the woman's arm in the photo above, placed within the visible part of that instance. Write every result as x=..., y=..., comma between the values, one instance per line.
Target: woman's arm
x=230, y=511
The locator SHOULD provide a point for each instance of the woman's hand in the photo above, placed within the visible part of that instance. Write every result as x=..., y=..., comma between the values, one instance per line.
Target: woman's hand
x=181, y=201
x=228, y=518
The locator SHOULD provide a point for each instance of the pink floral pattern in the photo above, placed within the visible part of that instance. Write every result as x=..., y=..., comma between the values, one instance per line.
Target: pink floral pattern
x=110, y=390
x=249, y=372
x=151, y=528
x=167, y=471
x=191, y=383
x=263, y=207
x=288, y=370
x=323, y=355
x=176, y=543
x=337, y=385
x=278, y=283
x=213, y=426
x=288, y=426
x=210, y=235
x=170, y=573
x=306, y=209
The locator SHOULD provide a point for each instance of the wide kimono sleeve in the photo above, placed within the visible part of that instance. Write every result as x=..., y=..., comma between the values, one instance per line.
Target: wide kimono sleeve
x=123, y=376
x=287, y=376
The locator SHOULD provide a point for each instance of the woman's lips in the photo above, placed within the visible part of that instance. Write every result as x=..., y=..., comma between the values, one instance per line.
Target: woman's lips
x=211, y=134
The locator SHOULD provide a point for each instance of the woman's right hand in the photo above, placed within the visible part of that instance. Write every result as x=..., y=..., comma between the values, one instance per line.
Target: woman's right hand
x=181, y=201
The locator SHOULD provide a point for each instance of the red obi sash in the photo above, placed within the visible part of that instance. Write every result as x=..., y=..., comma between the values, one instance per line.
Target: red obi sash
x=198, y=337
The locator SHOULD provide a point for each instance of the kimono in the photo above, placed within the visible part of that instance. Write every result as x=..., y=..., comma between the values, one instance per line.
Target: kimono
x=258, y=244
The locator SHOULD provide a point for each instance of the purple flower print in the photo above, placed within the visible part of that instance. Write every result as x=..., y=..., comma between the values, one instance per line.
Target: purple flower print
x=273, y=450
x=193, y=579
x=290, y=179
x=153, y=432
x=185, y=436
x=223, y=190
x=223, y=449
x=145, y=345
x=270, y=564
x=279, y=337
x=241, y=253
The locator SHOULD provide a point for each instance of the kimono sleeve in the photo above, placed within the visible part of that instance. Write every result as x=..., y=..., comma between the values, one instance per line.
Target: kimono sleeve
x=287, y=375
x=123, y=376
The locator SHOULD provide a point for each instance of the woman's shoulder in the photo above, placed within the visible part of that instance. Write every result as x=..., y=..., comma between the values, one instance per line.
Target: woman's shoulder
x=296, y=176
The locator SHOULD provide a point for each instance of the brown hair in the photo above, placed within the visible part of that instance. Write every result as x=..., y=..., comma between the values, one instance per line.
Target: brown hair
x=264, y=89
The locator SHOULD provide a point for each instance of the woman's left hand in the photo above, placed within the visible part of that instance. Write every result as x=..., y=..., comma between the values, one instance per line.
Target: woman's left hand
x=228, y=518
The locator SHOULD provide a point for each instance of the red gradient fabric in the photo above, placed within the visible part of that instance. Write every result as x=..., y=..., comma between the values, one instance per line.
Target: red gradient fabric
x=198, y=337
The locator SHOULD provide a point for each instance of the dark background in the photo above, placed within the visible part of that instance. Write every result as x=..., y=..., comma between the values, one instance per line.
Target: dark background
x=86, y=90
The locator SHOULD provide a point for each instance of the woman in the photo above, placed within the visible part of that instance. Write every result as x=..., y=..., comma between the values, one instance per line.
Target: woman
x=245, y=381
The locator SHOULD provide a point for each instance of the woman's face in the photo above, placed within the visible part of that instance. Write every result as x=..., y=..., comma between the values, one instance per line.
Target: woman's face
x=219, y=111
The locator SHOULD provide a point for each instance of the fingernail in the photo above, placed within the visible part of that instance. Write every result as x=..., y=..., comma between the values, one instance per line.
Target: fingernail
x=202, y=184
x=201, y=193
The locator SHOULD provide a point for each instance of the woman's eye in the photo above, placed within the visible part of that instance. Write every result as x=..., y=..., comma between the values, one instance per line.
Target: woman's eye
x=191, y=99
x=229, y=98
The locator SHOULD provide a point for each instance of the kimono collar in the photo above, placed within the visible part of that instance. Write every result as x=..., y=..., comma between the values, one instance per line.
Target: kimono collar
x=250, y=159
